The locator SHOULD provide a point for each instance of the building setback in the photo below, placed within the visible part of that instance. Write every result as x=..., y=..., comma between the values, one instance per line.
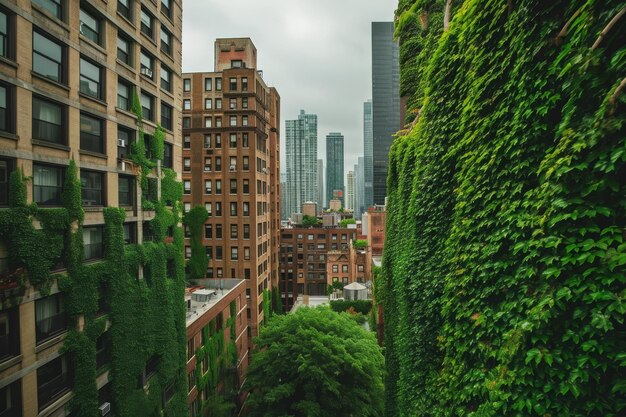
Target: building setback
x=385, y=103
x=334, y=167
x=301, y=161
x=230, y=166
x=91, y=282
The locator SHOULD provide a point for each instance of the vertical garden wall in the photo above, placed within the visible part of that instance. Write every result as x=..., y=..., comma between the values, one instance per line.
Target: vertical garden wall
x=505, y=261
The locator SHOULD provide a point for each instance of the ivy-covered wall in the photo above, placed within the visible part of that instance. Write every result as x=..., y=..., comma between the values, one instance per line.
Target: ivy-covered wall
x=146, y=317
x=505, y=263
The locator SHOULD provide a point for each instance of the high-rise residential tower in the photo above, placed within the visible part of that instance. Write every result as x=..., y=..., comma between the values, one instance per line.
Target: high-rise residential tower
x=320, y=184
x=301, y=161
x=91, y=263
x=368, y=155
x=334, y=167
x=350, y=190
x=359, y=187
x=231, y=121
x=385, y=102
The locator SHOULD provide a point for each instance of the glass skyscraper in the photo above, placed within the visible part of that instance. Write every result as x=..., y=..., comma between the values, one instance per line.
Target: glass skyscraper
x=301, y=162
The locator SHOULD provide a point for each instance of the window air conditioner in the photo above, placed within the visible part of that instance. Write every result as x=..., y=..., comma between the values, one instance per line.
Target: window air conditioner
x=146, y=71
x=121, y=143
x=264, y=170
x=105, y=408
x=233, y=168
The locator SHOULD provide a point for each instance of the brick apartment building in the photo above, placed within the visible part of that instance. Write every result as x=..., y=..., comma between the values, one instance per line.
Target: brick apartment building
x=68, y=74
x=231, y=162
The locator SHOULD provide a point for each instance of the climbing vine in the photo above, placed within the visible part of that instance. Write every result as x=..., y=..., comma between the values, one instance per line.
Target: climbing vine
x=198, y=262
x=504, y=272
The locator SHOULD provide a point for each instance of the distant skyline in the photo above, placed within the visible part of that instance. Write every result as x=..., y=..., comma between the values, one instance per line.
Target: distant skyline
x=316, y=54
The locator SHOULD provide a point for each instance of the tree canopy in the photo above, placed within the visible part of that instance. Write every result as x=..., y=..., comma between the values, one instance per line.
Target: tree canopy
x=315, y=362
x=308, y=221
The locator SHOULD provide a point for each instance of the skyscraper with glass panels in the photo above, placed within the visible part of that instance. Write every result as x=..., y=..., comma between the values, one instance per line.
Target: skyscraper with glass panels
x=334, y=167
x=301, y=162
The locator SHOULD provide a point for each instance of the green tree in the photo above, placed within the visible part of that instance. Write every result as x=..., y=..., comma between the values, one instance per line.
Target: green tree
x=359, y=244
x=309, y=221
x=315, y=362
x=346, y=222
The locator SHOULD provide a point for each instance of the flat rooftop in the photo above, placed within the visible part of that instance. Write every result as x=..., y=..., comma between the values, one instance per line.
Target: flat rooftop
x=211, y=291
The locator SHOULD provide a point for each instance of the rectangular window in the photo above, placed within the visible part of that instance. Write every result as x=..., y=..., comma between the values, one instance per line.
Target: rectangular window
x=6, y=35
x=187, y=84
x=244, y=84
x=218, y=141
x=244, y=120
x=9, y=338
x=11, y=399
x=187, y=187
x=246, y=208
x=53, y=380
x=244, y=140
x=187, y=104
x=218, y=231
x=186, y=142
x=93, y=247
x=218, y=121
x=166, y=78
x=166, y=41
x=246, y=163
x=218, y=209
x=246, y=186
x=208, y=189
x=208, y=231
x=166, y=7
x=125, y=137
x=6, y=167
x=54, y=7
x=50, y=319
x=246, y=253
x=48, y=58
x=92, y=188
x=233, y=140
x=234, y=253
x=218, y=103
x=207, y=141
x=147, y=102
x=244, y=102
x=207, y=164
x=233, y=120
x=208, y=104
x=146, y=63
x=218, y=256
x=233, y=103
x=124, y=94
x=47, y=184
x=125, y=7
x=91, y=79
x=233, y=208
x=246, y=231
x=218, y=84
x=166, y=116
x=124, y=49
x=90, y=26
x=147, y=23
x=233, y=231
x=232, y=81
x=125, y=190
x=168, y=155
x=91, y=134
x=208, y=122
x=186, y=122
x=7, y=108
x=209, y=208
x=233, y=186
x=186, y=164
x=218, y=186
x=218, y=163
x=208, y=84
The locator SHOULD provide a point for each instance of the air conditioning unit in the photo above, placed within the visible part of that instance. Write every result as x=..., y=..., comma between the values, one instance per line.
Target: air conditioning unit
x=264, y=170
x=121, y=143
x=207, y=169
x=146, y=71
x=233, y=168
x=105, y=408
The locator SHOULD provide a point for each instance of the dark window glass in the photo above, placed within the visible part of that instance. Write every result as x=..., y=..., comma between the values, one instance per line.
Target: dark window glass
x=208, y=84
x=124, y=94
x=53, y=380
x=244, y=86
x=166, y=79
x=4, y=35
x=103, y=350
x=147, y=64
x=124, y=139
x=47, y=184
x=11, y=399
x=146, y=23
x=47, y=57
x=166, y=7
x=124, y=7
x=166, y=116
x=7, y=109
x=168, y=155
x=50, y=318
x=218, y=84
x=48, y=121
x=232, y=84
x=130, y=233
x=166, y=41
x=9, y=336
x=93, y=247
x=92, y=188
x=55, y=7
x=146, y=106
x=91, y=134
x=90, y=79
x=186, y=84
x=90, y=26
x=126, y=192
x=6, y=166
x=124, y=49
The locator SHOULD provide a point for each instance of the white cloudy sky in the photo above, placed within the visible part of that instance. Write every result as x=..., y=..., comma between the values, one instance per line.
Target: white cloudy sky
x=317, y=53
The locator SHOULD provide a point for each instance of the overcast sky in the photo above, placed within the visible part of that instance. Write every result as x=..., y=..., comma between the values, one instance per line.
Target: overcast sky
x=317, y=53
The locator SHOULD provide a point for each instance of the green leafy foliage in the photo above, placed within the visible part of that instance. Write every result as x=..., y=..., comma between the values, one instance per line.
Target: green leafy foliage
x=198, y=262
x=345, y=222
x=315, y=362
x=359, y=306
x=359, y=244
x=310, y=221
x=503, y=272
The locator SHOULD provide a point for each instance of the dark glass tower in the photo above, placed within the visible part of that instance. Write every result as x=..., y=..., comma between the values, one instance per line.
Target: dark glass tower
x=334, y=167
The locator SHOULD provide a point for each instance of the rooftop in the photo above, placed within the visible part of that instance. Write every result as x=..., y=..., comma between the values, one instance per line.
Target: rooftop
x=202, y=297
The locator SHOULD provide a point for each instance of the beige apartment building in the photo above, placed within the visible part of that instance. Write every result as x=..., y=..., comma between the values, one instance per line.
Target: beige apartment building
x=68, y=73
x=231, y=162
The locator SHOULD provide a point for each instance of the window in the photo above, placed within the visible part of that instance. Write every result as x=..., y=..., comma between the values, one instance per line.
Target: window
x=246, y=208
x=168, y=155
x=207, y=141
x=218, y=121
x=124, y=49
x=244, y=85
x=236, y=63
x=166, y=41
x=147, y=64
x=233, y=120
x=186, y=142
x=6, y=35
x=246, y=253
x=246, y=231
x=90, y=26
x=53, y=380
x=166, y=78
x=166, y=7
x=9, y=337
x=207, y=164
x=233, y=140
x=92, y=188
x=91, y=134
x=244, y=120
x=7, y=109
x=146, y=23
x=218, y=84
x=218, y=208
x=246, y=186
x=186, y=208
x=55, y=7
x=218, y=163
x=208, y=187
x=11, y=399
x=6, y=167
x=124, y=94
x=233, y=208
x=166, y=116
x=233, y=186
x=146, y=106
x=244, y=102
x=218, y=103
x=233, y=231
x=125, y=190
x=47, y=184
x=186, y=104
x=187, y=187
x=187, y=84
x=209, y=208
x=208, y=231
x=244, y=140
x=218, y=256
x=125, y=8
x=218, y=141
x=186, y=122
x=48, y=58
x=125, y=137
x=93, y=247
x=91, y=79
x=187, y=164
x=50, y=317
x=208, y=84
x=232, y=83
x=208, y=122
x=246, y=163
x=234, y=253
x=208, y=104
x=218, y=186
x=233, y=103
x=218, y=231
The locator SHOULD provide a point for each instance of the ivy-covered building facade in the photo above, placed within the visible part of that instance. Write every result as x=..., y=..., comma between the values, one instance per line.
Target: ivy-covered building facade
x=92, y=272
